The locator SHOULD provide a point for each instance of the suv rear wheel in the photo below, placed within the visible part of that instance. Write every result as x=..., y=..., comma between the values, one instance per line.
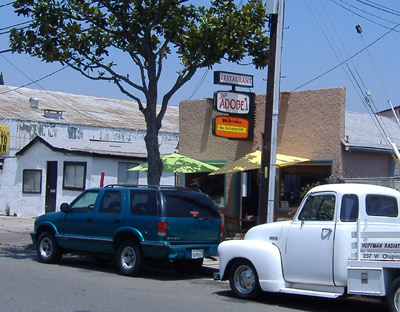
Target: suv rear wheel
x=130, y=258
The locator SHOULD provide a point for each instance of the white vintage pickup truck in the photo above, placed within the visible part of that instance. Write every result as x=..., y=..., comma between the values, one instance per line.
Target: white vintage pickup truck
x=343, y=240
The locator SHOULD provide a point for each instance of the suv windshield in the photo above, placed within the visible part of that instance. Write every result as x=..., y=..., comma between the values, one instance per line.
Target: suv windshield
x=190, y=204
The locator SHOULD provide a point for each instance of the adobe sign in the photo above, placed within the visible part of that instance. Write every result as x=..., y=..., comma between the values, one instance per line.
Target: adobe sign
x=233, y=102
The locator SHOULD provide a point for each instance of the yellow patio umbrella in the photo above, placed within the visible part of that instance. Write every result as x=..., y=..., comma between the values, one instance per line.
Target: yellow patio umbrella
x=178, y=163
x=253, y=161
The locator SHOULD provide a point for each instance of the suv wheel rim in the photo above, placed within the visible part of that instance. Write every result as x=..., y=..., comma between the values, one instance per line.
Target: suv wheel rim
x=128, y=258
x=46, y=247
x=244, y=279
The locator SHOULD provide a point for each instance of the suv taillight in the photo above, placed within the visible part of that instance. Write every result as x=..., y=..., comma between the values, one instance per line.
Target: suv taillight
x=221, y=229
x=162, y=228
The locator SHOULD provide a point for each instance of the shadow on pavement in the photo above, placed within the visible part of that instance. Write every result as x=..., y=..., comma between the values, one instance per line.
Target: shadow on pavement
x=314, y=304
x=157, y=271
x=16, y=252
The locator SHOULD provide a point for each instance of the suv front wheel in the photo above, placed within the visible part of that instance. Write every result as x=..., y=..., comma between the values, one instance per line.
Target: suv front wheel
x=130, y=258
x=47, y=248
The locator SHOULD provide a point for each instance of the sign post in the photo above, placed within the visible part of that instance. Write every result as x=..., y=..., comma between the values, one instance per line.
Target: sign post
x=239, y=106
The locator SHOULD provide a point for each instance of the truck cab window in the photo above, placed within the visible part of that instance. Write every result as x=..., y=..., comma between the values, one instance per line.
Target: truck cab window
x=318, y=208
x=349, y=209
x=382, y=206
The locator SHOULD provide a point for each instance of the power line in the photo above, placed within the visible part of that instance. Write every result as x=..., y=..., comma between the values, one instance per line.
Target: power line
x=35, y=81
x=4, y=5
x=12, y=26
x=379, y=7
x=364, y=17
x=20, y=71
x=346, y=60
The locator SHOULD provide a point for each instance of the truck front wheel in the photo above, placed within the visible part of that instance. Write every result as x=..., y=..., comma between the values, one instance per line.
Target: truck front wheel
x=243, y=280
x=393, y=296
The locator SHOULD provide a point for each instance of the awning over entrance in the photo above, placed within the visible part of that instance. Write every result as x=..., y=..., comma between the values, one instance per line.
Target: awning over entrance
x=253, y=161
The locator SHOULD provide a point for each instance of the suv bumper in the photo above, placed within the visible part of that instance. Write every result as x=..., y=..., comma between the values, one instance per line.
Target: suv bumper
x=185, y=251
x=178, y=251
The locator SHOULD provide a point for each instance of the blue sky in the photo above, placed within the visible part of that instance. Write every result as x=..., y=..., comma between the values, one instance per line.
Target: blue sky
x=307, y=54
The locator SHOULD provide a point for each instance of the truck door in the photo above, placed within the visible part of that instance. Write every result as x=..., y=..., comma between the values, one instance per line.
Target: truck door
x=309, y=250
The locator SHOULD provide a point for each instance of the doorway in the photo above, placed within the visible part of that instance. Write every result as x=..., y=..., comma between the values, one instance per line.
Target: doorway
x=51, y=187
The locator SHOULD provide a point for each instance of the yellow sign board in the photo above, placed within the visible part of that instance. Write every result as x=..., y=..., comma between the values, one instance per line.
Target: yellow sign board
x=4, y=139
x=231, y=127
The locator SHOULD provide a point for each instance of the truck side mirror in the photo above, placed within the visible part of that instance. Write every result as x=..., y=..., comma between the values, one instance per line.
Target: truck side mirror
x=65, y=208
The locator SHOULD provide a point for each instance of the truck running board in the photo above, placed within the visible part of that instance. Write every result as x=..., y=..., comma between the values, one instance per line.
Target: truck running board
x=314, y=293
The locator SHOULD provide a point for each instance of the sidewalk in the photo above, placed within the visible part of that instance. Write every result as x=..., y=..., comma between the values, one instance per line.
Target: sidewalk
x=15, y=232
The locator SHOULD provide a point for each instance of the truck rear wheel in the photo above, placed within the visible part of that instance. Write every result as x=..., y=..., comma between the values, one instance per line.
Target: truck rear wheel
x=243, y=280
x=393, y=296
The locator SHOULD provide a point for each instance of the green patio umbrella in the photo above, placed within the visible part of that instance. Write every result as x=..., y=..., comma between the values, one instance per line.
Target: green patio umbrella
x=178, y=163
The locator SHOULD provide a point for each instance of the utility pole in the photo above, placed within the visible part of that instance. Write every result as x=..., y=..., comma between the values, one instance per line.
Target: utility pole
x=268, y=157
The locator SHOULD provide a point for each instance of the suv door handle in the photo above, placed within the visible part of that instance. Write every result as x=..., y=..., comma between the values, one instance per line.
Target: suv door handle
x=89, y=219
x=117, y=221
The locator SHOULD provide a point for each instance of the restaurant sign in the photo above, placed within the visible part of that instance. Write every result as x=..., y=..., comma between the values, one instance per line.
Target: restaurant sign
x=233, y=79
x=232, y=127
x=4, y=139
x=233, y=102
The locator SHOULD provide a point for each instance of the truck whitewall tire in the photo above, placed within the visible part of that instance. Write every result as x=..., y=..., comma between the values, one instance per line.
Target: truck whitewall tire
x=393, y=296
x=243, y=280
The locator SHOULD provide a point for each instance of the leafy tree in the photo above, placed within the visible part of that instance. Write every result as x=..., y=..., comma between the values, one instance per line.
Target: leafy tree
x=90, y=36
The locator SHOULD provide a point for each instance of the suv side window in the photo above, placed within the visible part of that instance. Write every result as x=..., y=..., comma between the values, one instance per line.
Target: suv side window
x=111, y=202
x=318, y=208
x=143, y=202
x=380, y=205
x=190, y=204
x=85, y=203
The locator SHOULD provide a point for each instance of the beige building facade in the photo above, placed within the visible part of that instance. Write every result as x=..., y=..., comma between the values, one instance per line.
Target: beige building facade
x=312, y=125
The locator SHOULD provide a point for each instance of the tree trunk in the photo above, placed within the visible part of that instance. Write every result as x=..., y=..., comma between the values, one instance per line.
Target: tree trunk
x=155, y=166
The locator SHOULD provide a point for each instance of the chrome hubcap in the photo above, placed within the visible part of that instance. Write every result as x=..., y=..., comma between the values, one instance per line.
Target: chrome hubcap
x=396, y=299
x=46, y=247
x=245, y=279
x=128, y=257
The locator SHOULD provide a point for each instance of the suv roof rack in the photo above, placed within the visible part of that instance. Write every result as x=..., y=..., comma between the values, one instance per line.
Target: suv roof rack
x=157, y=187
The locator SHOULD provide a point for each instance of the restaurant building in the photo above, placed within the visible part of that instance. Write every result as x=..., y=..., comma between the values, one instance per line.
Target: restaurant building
x=313, y=125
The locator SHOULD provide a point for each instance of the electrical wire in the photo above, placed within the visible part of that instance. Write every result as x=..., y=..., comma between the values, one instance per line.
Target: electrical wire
x=35, y=81
x=366, y=18
x=354, y=75
x=4, y=5
x=199, y=84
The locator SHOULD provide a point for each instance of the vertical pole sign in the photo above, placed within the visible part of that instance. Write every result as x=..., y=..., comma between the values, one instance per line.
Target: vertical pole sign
x=4, y=139
x=238, y=121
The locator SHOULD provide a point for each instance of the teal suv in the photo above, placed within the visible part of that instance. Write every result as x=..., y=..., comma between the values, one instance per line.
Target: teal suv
x=134, y=224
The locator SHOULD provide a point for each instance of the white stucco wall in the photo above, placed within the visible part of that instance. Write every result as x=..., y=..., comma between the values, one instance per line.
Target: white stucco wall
x=14, y=201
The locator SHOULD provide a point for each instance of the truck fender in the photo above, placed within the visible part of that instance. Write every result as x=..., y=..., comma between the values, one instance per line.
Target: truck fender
x=264, y=256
